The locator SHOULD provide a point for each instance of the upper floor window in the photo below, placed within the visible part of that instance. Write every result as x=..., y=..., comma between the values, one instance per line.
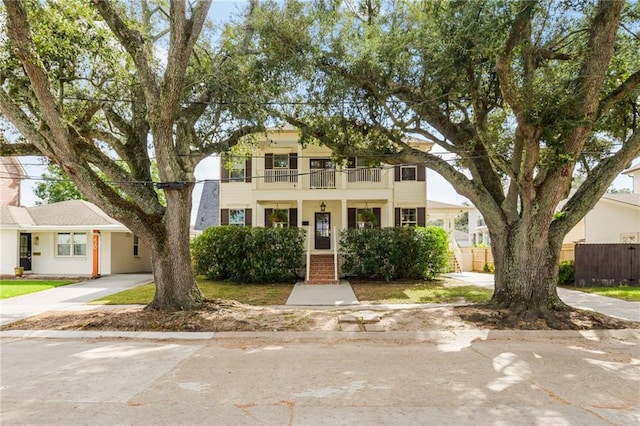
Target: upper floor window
x=408, y=173
x=408, y=217
x=236, y=217
x=237, y=171
x=71, y=244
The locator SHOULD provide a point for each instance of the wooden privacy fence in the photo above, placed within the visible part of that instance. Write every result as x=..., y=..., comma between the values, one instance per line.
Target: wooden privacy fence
x=607, y=265
x=477, y=257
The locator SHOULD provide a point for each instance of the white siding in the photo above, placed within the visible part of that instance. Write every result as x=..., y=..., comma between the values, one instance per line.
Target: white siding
x=48, y=263
x=608, y=220
x=8, y=251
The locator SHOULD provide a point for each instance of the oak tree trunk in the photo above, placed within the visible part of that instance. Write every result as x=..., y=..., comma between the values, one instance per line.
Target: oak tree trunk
x=526, y=272
x=176, y=287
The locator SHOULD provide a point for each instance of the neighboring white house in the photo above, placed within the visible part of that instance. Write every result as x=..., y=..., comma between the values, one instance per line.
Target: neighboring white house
x=614, y=219
x=71, y=238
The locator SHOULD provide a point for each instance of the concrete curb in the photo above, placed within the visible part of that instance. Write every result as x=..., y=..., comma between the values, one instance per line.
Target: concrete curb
x=529, y=335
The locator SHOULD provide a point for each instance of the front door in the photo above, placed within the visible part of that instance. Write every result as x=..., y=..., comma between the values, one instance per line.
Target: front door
x=323, y=230
x=25, y=251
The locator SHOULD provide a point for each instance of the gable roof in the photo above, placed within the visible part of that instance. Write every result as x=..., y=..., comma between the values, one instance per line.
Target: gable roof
x=632, y=199
x=67, y=214
x=439, y=205
x=632, y=169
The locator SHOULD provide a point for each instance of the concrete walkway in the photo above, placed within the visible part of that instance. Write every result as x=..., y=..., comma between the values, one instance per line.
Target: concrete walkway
x=578, y=299
x=340, y=294
x=68, y=298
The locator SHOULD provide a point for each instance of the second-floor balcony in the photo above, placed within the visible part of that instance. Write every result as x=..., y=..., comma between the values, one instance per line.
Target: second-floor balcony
x=361, y=178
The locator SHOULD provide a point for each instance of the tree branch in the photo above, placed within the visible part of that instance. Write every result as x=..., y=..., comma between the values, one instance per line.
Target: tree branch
x=630, y=85
x=133, y=43
x=595, y=185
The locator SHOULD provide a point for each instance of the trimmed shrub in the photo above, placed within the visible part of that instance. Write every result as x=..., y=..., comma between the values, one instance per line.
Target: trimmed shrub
x=394, y=253
x=567, y=273
x=251, y=255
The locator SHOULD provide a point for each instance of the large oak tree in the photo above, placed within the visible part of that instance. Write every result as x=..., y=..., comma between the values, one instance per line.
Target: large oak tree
x=520, y=94
x=103, y=89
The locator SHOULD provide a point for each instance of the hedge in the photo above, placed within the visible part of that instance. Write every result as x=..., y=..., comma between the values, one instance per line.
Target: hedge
x=251, y=255
x=394, y=253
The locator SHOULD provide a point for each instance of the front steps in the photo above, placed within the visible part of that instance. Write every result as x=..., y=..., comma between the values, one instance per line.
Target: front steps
x=453, y=265
x=321, y=269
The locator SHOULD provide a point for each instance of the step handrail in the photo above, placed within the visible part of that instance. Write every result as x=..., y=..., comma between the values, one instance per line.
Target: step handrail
x=306, y=279
x=335, y=254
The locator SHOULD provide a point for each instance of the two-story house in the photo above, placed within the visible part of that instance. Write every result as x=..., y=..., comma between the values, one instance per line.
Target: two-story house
x=286, y=184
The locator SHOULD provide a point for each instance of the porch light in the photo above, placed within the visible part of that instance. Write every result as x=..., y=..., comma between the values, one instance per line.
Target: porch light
x=323, y=206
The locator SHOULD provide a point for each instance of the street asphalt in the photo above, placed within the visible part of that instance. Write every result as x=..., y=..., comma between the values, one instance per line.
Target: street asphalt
x=314, y=378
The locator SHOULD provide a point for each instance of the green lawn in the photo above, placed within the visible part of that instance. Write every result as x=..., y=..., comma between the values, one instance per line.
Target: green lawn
x=277, y=294
x=631, y=294
x=419, y=292
x=12, y=288
x=251, y=294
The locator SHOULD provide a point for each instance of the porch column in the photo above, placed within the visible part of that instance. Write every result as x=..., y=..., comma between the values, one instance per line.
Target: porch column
x=345, y=214
x=299, y=212
x=391, y=214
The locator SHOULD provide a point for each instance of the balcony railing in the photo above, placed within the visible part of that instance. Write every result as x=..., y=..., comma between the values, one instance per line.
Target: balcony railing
x=360, y=178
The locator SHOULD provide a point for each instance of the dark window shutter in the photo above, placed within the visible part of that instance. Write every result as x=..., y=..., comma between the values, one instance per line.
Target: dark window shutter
x=247, y=217
x=268, y=161
x=293, y=218
x=247, y=171
x=224, y=174
x=351, y=218
x=397, y=173
x=377, y=212
x=398, y=221
x=422, y=173
x=224, y=216
x=267, y=218
x=422, y=216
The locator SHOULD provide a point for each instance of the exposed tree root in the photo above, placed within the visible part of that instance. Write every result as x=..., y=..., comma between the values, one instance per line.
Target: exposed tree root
x=521, y=317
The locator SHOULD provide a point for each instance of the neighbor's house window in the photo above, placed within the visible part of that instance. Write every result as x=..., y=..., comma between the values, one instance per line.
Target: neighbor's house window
x=136, y=245
x=237, y=171
x=409, y=217
x=72, y=244
x=408, y=172
x=236, y=217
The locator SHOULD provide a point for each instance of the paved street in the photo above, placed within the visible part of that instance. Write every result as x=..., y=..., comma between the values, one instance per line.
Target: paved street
x=444, y=378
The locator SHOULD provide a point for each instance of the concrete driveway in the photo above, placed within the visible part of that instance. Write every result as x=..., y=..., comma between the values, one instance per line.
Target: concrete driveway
x=429, y=378
x=69, y=297
x=578, y=299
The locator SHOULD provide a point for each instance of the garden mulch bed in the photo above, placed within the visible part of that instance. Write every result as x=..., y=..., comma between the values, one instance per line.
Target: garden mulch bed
x=223, y=315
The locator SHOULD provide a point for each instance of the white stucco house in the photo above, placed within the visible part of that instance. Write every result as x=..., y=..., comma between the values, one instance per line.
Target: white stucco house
x=70, y=238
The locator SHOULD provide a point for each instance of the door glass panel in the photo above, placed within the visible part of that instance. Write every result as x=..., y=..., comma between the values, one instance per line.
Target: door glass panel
x=322, y=225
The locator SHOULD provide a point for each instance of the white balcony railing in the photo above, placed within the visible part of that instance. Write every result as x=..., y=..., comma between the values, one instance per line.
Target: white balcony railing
x=360, y=178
